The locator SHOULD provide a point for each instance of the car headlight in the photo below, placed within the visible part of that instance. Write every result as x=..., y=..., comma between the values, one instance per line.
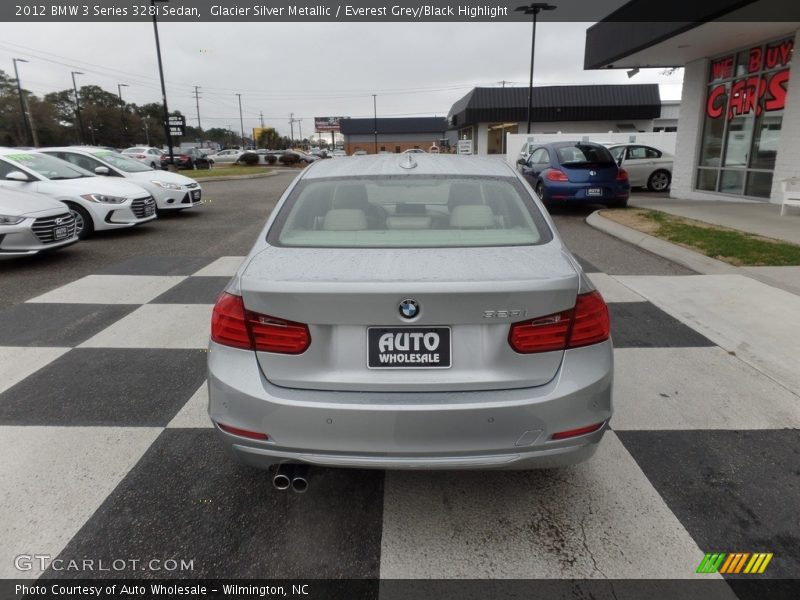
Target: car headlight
x=10, y=220
x=166, y=185
x=104, y=198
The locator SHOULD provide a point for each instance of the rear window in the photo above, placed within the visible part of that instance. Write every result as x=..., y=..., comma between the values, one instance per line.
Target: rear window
x=409, y=212
x=582, y=154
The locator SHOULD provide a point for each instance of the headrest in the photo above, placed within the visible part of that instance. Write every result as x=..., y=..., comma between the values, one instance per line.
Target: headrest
x=344, y=219
x=472, y=216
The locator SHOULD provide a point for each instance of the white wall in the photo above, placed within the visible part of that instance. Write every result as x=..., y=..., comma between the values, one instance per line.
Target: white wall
x=662, y=140
x=787, y=163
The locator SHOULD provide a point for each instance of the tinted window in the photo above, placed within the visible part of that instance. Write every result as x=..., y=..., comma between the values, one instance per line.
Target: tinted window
x=583, y=153
x=123, y=163
x=409, y=212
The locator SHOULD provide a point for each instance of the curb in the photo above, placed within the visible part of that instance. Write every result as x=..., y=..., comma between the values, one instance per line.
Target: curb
x=695, y=261
x=234, y=177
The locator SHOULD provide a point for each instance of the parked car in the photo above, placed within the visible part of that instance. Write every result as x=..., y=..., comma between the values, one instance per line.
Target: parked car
x=360, y=153
x=339, y=153
x=32, y=223
x=145, y=155
x=646, y=166
x=226, y=156
x=331, y=346
x=190, y=158
x=414, y=151
x=576, y=172
x=96, y=202
x=295, y=156
x=171, y=191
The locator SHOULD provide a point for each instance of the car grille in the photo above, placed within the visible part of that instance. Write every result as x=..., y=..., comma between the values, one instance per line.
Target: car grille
x=143, y=207
x=44, y=228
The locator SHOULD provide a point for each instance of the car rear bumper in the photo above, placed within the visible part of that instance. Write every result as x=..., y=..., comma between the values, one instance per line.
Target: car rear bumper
x=580, y=192
x=500, y=429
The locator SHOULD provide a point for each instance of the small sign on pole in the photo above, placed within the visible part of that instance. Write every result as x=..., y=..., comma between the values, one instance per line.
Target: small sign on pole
x=465, y=146
x=177, y=125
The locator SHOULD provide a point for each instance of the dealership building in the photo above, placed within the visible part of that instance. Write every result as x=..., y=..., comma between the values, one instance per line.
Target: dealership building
x=386, y=134
x=739, y=117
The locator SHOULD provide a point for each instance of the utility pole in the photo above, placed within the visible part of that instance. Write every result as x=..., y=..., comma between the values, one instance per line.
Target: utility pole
x=300, y=128
x=122, y=113
x=197, y=104
x=291, y=126
x=163, y=86
x=261, y=114
x=146, y=130
x=23, y=104
x=241, y=121
x=78, y=119
x=375, y=119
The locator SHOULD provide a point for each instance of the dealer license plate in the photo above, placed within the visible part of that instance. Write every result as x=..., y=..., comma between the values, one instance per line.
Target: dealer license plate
x=60, y=233
x=408, y=348
x=594, y=192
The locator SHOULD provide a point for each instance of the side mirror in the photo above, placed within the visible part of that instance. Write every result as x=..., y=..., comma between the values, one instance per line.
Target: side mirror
x=101, y=170
x=18, y=176
x=522, y=161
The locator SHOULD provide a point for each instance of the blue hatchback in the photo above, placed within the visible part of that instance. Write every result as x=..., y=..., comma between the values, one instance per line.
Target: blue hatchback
x=571, y=172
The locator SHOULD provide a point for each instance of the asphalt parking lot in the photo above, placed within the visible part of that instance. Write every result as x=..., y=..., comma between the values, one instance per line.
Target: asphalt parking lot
x=102, y=412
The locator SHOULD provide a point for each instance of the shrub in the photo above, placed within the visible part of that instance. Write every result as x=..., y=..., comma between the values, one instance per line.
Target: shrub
x=271, y=159
x=249, y=158
x=289, y=158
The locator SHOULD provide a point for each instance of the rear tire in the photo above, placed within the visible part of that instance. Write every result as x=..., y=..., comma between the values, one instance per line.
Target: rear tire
x=658, y=181
x=84, y=227
x=152, y=165
x=539, y=189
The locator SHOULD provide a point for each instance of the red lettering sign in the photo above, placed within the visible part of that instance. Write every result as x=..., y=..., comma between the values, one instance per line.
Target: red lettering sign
x=716, y=102
x=777, y=91
x=779, y=54
x=752, y=94
x=754, y=64
x=722, y=68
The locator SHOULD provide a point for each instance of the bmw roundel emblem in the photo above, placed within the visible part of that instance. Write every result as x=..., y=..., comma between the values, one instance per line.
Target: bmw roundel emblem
x=409, y=309
x=592, y=173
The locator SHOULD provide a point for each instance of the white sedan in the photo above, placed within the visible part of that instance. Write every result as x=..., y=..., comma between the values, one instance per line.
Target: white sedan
x=32, y=223
x=646, y=166
x=226, y=156
x=145, y=155
x=170, y=190
x=95, y=202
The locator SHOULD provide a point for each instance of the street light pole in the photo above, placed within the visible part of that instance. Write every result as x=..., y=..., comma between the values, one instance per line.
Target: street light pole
x=77, y=107
x=375, y=119
x=22, y=104
x=163, y=86
x=122, y=113
x=533, y=9
x=241, y=121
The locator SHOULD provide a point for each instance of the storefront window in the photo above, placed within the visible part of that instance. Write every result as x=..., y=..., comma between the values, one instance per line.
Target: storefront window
x=743, y=116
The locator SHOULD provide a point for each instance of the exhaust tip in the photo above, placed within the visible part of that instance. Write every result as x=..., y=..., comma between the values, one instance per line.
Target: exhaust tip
x=300, y=479
x=283, y=478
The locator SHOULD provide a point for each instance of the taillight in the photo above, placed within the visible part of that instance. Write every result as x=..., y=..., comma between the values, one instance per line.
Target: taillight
x=233, y=325
x=140, y=156
x=587, y=323
x=556, y=175
x=622, y=175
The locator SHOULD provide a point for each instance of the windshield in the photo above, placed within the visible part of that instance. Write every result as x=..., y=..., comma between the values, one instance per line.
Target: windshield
x=409, y=212
x=583, y=153
x=47, y=166
x=123, y=163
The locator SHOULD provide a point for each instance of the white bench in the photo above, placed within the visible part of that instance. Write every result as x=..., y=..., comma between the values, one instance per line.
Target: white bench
x=791, y=194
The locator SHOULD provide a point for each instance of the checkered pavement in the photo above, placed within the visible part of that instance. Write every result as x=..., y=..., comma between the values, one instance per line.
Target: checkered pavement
x=108, y=453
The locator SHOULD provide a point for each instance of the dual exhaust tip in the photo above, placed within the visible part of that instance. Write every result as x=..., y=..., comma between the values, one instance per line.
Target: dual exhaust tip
x=291, y=476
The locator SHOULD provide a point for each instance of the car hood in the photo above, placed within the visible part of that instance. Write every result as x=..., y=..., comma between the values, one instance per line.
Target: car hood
x=165, y=176
x=17, y=204
x=93, y=185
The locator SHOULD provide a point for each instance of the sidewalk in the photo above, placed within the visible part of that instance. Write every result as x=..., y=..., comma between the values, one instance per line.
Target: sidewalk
x=752, y=217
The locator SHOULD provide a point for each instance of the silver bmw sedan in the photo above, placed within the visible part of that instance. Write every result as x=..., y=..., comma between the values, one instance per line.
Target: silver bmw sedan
x=410, y=312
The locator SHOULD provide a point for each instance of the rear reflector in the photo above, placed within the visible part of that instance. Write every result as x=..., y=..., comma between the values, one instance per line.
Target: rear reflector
x=253, y=435
x=233, y=325
x=587, y=323
x=562, y=435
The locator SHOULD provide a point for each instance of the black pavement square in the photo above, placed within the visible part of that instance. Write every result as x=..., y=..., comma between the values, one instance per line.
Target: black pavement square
x=187, y=499
x=643, y=325
x=57, y=325
x=194, y=290
x=158, y=265
x=106, y=386
x=733, y=491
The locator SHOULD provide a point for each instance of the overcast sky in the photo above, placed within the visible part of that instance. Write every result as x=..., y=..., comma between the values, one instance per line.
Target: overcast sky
x=309, y=69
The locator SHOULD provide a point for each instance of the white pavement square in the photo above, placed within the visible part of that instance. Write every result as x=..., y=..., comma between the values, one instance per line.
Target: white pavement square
x=756, y=321
x=223, y=266
x=158, y=326
x=17, y=363
x=111, y=289
x=195, y=412
x=52, y=479
x=600, y=519
x=612, y=290
x=696, y=388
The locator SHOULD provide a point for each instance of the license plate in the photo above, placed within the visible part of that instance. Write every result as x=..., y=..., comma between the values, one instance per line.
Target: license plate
x=59, y=233
x=149, y=210
x=594, y=192
x=408, y=348
x=195, y=195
